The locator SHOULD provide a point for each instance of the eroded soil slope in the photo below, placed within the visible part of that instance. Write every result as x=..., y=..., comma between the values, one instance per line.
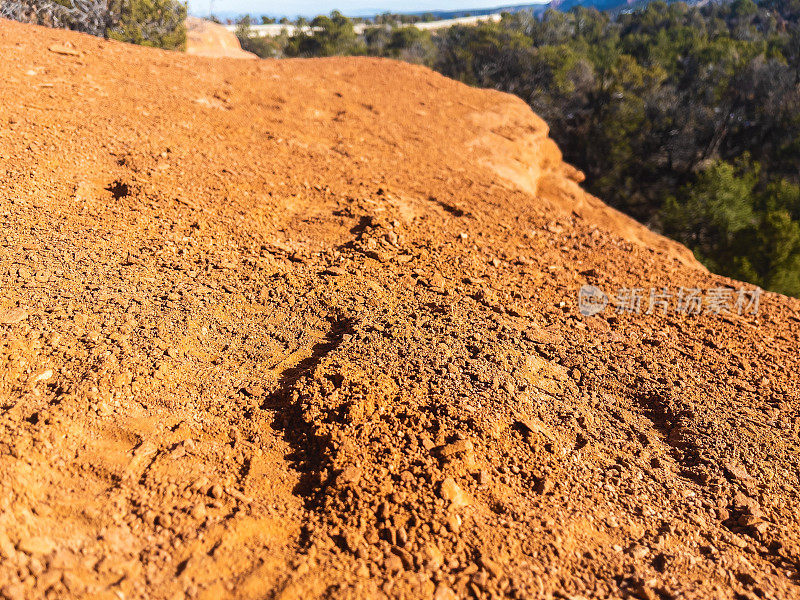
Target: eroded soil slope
x=308, y=329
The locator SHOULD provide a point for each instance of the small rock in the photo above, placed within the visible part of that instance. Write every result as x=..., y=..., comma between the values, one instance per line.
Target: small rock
x=13, y=315
x=350, y=475
x=216, y=491
x=457, y=447
x=444, y=593
x=405, y=557
x=437, y=281
x=199, y=511
x=747, y=505
x=63, y=50
x=49, y=578
x=362, y=572
x=6, y=547
x=545, y=484
x=393, y=563
x=748, y=520
x=164, y=520
x=45, y=375
x=760, y=527
x=432, y=556
x=36, y=545
x=14, y=591
x=455, y=495
x=490, y=565
x=352, y=540
x=73, y=583
x=638, y=552
x=199, y=483
x=454, y=522
x=35, y=566
x=736, y=471
x=644, y=591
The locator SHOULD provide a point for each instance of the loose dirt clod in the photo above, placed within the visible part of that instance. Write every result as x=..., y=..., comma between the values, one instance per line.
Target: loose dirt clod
x=276, y=368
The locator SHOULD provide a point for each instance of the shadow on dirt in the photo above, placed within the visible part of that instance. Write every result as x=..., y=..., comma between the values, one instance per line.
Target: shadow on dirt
x=308, y=455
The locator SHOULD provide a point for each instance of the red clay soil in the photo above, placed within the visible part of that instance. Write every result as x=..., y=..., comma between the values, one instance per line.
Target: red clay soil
x=310, y=328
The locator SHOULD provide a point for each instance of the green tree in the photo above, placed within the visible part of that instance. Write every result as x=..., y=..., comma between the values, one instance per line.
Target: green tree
x=329, y=36
x=411, y=45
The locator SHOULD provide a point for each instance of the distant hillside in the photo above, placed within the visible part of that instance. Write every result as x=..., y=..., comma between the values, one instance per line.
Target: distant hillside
x=536, y=7
x=539, y=8
x=476, y=12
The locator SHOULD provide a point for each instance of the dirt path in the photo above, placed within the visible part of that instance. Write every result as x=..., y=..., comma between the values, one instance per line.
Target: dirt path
x=310, y=329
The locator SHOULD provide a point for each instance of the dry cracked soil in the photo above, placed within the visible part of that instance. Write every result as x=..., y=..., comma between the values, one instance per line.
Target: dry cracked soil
x=310, y=329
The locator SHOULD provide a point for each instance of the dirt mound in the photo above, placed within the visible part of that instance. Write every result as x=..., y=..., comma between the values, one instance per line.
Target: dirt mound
x=208, y=39
x=311, y=329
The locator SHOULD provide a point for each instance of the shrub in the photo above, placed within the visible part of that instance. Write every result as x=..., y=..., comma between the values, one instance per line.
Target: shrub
x=156, y=23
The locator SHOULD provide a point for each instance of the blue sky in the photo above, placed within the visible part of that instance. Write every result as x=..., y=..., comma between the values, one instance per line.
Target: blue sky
x=349, y=7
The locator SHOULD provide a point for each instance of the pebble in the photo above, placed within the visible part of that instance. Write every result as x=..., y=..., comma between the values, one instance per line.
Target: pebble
x=350, y=475
x=6, y=547
x=44, y=375
x=14, y=591
x=405, y=557
x=432, y=556
x=638, y=552
x=13, y=315
x=393, y=563
x=491, y=565
x=199, y=511
x=454, y=522
x=63, y=50
x=444, y=593
x=36, y=545
x=437, y=281
x=451, y=492
x=457, y=447
x=164, y=520
x=73, y=583
x=747, y=505
x=545, y=484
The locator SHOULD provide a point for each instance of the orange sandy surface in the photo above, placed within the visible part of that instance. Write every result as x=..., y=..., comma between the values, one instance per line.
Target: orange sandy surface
x=309, y=328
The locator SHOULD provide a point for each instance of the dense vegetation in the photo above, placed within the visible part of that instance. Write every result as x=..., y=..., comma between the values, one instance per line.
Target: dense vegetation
x=687, y=118
x=157, y=23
